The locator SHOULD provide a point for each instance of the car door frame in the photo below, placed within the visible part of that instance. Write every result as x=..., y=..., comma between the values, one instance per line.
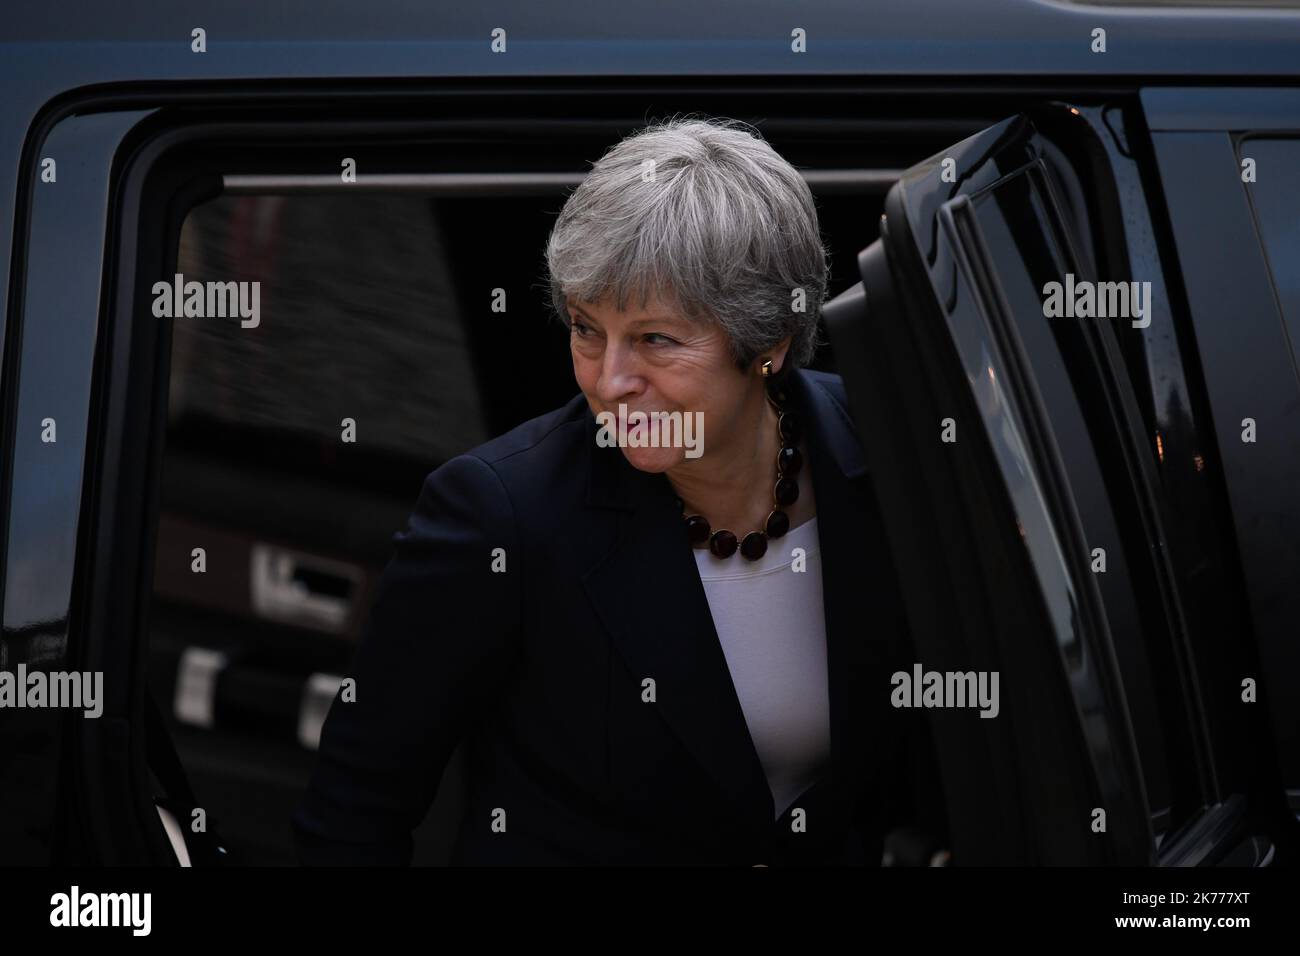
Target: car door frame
x=882, y=356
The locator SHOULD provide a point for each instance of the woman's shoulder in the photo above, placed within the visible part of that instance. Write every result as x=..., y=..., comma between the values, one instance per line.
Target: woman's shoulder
x=828, y=382
x=826, y=401
x=824, y=396
x=533, y=460
x=552, y=434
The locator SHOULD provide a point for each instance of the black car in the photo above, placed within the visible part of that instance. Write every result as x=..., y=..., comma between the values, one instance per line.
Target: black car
x=1066, y=270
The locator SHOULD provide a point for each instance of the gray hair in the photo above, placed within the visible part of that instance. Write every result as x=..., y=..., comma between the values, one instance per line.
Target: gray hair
x=720, y=225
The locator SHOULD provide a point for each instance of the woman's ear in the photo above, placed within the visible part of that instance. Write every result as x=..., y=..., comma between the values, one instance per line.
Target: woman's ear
x=777, y=354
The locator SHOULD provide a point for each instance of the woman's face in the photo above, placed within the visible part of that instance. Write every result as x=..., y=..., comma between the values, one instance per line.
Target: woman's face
x=654, y=360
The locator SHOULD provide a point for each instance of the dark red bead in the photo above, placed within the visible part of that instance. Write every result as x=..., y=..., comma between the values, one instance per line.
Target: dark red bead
x=723, y=544
x=697, y=529
x=788, y=424
x=754, y=546
x=786, y=492
x=789, y=461
x=778, y=523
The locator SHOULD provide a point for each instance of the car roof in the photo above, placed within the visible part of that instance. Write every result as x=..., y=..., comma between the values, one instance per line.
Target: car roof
x=56, y=47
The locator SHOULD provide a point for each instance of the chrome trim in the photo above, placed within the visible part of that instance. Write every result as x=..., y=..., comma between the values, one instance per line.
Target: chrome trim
x=317, y=697
x=499, y=184
x=173, y=828
x=196, y=686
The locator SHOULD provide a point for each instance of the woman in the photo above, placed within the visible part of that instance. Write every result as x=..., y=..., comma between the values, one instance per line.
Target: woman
x=676, y=652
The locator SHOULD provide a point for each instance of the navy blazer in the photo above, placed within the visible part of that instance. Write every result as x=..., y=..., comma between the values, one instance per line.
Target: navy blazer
x=539, y=669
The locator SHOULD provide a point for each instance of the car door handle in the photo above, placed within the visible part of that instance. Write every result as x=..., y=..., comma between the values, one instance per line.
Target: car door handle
x=293, y=587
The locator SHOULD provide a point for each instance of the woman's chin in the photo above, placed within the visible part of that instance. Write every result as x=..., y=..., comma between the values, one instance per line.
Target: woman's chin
x=652, y=460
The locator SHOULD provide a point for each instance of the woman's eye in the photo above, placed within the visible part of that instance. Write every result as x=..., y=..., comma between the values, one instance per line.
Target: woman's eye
x=579, y=329
x=663, y=339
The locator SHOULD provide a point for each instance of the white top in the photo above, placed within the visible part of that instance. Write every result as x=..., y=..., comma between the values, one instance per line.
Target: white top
x=771, y=624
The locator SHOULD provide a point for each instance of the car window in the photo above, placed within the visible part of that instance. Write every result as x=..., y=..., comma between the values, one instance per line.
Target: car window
x=359, y=319
x=372, y=316
x=1017, y=228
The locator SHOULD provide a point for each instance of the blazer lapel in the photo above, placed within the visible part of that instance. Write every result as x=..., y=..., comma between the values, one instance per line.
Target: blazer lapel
x=855, y=572
x=647, y=592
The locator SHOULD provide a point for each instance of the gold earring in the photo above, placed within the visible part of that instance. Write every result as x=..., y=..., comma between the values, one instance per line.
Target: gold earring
x=767, y=369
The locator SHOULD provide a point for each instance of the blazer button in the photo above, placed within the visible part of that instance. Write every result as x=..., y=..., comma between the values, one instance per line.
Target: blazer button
x=760, y=864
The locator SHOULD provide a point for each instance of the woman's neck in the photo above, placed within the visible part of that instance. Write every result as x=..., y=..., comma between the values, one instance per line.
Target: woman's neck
x=732, y=488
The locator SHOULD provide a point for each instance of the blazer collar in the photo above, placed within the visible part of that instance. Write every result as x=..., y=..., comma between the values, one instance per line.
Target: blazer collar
x=671, y=637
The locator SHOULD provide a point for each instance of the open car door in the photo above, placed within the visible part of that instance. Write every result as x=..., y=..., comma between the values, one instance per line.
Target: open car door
x=1014, y=478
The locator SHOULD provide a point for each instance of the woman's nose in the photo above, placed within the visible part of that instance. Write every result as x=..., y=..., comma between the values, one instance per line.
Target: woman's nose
x=619, y=374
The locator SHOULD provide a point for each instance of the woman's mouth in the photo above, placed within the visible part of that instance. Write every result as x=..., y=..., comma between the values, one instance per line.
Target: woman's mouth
x=635, y=421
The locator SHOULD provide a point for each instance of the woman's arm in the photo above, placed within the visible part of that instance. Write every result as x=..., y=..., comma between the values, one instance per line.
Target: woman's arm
x=440, y=639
